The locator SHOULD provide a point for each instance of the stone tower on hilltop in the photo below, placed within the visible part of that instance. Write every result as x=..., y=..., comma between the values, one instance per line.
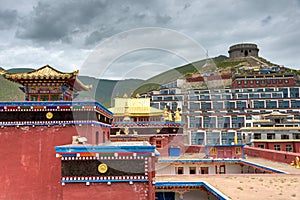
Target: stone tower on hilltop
x=243, y=50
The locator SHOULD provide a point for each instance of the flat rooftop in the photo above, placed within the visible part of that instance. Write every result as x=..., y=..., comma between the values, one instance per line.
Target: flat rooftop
x=250, y=186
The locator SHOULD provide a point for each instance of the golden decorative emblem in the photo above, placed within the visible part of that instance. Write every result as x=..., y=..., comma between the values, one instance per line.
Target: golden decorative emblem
x=49, y=115
x=102, y=168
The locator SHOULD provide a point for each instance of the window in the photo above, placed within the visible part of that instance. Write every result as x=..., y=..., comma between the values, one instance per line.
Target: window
x=212, y=150
x=203, y=170
x=222, y=169
x=262, y=146
x=192, y=170
x=289, y=148
x=179, y=170
x=33, y=97
x=277, y=147
x=44, y=97
x=158, y=143
x=54, y=97
x=284, y=137
x=238, y=151
x=270, y=136
x=197, y=138
x=257, y=136
x=296, y=135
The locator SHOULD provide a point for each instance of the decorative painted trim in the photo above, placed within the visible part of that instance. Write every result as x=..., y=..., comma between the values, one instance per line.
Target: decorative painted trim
x=148, y=150
x=54, y=123
x=55, y=105
x=92, y=180
x=77, y=156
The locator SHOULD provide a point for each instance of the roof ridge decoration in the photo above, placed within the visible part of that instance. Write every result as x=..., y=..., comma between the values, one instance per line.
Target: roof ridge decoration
x=43, y=72
x=49, y=73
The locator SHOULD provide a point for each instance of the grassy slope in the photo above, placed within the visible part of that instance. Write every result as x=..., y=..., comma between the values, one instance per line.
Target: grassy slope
x=104, y=90
x=10, y=91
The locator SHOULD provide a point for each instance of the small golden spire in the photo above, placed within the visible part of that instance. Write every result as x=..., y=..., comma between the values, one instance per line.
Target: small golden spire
x=177, y=116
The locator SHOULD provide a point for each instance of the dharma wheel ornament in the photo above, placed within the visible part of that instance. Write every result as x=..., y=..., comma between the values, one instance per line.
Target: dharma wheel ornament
x=102, y=168
x=49, y=115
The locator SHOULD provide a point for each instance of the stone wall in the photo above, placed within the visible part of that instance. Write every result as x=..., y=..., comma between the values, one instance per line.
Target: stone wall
x=243, y=50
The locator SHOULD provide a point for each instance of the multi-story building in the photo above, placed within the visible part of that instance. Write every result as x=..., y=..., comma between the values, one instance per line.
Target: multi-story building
x=214, y=116
x=275, y=131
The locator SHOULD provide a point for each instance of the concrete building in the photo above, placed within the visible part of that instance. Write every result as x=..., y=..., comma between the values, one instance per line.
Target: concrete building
x=276, y=131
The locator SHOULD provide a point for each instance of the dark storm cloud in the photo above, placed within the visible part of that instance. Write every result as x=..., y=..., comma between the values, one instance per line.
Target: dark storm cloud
x=56, y=21
x=66, y=31
x=8, y=18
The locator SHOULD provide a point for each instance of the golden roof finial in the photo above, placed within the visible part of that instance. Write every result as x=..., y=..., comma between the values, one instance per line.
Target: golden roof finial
x=177, y=116
x=125, y=95
x=137, y=95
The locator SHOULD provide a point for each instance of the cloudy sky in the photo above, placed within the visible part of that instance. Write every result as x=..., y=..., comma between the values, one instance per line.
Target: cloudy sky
x=123, y=39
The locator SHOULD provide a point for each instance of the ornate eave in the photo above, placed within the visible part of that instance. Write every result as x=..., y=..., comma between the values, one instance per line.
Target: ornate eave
x=48, y=74
x=45, y=72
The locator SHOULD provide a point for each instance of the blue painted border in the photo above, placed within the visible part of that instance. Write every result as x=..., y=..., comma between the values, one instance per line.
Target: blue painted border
x=104, y=181
x=50, y=123
x=207, y=186
x=104, y=149
x=264, y=167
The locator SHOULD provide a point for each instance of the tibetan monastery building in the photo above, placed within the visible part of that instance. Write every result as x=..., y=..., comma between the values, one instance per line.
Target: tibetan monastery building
x=135, y=120
x=30, y=130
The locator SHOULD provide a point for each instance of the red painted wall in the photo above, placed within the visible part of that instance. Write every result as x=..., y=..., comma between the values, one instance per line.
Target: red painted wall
x=254, y=84
x=279, y=156
x=167, y=142
x=29, y=168
x=115, y=191
x=270, y=145
x=195, y=149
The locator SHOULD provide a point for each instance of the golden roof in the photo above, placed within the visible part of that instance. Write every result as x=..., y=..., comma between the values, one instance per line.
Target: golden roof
x=49, y=73
x=275, y=113
x=134, y=107
x=45, y=72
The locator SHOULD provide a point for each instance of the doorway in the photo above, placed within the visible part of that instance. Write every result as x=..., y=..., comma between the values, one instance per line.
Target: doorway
x=203, y=170
x=165, y=196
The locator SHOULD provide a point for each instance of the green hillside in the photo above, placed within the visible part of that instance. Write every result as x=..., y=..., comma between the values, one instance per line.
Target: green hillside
x=19, y=70
x=10, y=91
x=105, y=90
x=202, y=66
x=102, y=91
